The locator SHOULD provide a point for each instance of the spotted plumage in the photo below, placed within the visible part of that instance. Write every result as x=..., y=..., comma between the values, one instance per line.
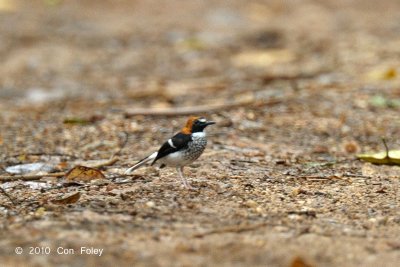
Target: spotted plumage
x=182, y=149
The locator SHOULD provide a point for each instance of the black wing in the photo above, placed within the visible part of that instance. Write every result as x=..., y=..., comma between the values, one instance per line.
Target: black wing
x=179, y=141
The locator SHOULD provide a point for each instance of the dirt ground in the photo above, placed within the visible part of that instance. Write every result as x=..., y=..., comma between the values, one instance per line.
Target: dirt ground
x=301, y=87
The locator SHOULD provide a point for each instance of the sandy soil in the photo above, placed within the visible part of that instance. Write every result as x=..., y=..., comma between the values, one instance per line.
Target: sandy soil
x=279, y=183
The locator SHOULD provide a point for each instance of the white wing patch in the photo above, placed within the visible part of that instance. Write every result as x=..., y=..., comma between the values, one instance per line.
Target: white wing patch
x=170, y=143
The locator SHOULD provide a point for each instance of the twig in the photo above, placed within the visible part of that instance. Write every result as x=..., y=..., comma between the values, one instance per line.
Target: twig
x=358, y=176
x=199, y=109
x=316, y=178
x=291, y=78
x=386, y=147
x=8, y=178
x=106, y=163
x=234, y=229
x=42, y=154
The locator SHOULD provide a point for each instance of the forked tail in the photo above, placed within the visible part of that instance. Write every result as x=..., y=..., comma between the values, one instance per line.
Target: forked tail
x=141, y=163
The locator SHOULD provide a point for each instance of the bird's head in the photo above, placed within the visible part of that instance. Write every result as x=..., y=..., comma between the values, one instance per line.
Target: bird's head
x=196, y=124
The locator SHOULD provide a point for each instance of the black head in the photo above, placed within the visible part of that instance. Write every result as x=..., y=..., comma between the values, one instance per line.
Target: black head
x=196, y=124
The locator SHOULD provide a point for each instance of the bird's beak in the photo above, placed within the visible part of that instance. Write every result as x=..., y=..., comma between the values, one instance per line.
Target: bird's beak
x=210, y=123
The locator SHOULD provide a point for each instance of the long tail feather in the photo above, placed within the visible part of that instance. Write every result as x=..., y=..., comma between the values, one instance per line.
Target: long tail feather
x=141, y=163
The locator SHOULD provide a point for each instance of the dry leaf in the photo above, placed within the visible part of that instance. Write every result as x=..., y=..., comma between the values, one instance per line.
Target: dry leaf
x=84, y=174
x=68, y=200
x=299, y=262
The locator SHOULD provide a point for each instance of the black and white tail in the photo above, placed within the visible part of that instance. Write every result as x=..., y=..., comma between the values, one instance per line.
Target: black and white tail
x=141, y=163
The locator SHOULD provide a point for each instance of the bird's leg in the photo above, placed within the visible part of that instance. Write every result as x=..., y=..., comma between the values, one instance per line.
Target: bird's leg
x=183, y=179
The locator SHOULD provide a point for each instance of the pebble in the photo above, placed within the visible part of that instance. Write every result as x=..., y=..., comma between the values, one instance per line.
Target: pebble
x=251, y=203
x=150, y=204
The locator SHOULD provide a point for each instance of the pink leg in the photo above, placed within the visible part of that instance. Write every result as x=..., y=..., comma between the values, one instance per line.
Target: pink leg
x=183, y=179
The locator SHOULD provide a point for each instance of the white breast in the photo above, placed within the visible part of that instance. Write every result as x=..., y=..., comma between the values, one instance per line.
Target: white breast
x=188, y=155
x=198, y=135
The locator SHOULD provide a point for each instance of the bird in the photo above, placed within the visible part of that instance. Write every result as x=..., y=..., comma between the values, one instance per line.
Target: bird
x=180, y=150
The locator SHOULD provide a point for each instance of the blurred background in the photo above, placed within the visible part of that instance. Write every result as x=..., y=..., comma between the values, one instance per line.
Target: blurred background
x=163, y=53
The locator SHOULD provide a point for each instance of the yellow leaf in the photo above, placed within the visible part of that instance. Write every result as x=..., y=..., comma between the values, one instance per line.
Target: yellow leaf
x=393, y=157
x=82, y=173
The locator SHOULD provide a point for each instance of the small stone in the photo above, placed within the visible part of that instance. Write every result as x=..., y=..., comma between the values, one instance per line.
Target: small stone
x=251, y=203
x=150, y=204
x=259, y=210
